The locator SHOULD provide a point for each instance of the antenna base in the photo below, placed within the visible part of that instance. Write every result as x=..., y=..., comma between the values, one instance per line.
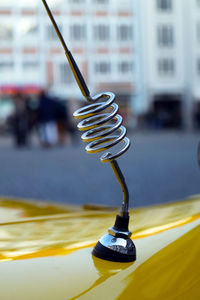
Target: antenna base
x=116, y=245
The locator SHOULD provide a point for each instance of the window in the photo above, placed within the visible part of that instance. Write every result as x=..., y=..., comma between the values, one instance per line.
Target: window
x=165, y=36
x=166, y=66
x=6, y=3
x=30, y=70
x=30, y=65
x=198, y=66
x=6, y=66
x=77, y=32
x=198, y=32
x=101, y=1
x=164, y=5
x=125, y=32
x=51, y=33
x=102, y=68
x=66, y=75
x=28, y=29
x=29, y=3
x=102, y=32
x=125, y=67
x=6, y=32
x=76, y=1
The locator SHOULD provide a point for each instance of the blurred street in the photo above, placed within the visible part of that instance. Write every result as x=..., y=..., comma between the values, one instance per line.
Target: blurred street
x=159, y=167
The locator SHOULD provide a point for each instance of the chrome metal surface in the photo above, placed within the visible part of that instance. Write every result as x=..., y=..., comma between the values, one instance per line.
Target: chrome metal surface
x=103, y=130
x=121, y=245
x=100, y=127
x=112, y=231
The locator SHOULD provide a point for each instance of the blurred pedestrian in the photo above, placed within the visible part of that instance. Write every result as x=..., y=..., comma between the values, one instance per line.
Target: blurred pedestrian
x=47, y=123
x=72, y=106
x=61, y=120
x=19, y=120
x=196, y=116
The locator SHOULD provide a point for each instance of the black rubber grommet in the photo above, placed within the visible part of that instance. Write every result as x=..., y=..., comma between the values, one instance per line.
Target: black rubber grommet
x=121, y=223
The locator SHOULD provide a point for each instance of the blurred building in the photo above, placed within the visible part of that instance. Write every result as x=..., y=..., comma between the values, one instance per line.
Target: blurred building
x=171, y=59
x=145, y=51
x=101, y=34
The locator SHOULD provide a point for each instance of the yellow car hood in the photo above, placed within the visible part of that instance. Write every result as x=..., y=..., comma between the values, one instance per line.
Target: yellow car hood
x=45, y=252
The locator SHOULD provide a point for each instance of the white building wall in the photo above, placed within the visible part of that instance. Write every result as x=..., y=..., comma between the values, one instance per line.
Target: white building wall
x=151, y=19
x=192, y=11
x=143, y=50
x=184, y=17
x=24, y=50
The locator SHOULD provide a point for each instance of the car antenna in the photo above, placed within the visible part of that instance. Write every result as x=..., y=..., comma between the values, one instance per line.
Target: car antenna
x=99, y=129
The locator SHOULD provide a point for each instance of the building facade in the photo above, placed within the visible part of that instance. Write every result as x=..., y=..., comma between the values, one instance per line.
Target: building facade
x=145, y=51
x=171, y=49
x=101, y=34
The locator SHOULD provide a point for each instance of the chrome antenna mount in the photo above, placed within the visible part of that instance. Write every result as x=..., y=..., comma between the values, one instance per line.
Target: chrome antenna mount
x=103, y=131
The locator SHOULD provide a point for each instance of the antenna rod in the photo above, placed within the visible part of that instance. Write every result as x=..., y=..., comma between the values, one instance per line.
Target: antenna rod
x=77, y=73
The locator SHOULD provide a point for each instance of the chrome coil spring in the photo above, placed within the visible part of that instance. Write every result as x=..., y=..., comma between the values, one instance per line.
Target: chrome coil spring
x=100, y=127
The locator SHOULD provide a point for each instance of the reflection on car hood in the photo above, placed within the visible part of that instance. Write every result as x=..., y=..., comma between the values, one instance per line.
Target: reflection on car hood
x=45, y=252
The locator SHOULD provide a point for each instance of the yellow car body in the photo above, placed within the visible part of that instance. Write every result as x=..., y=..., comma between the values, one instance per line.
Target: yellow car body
x=45, y=252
